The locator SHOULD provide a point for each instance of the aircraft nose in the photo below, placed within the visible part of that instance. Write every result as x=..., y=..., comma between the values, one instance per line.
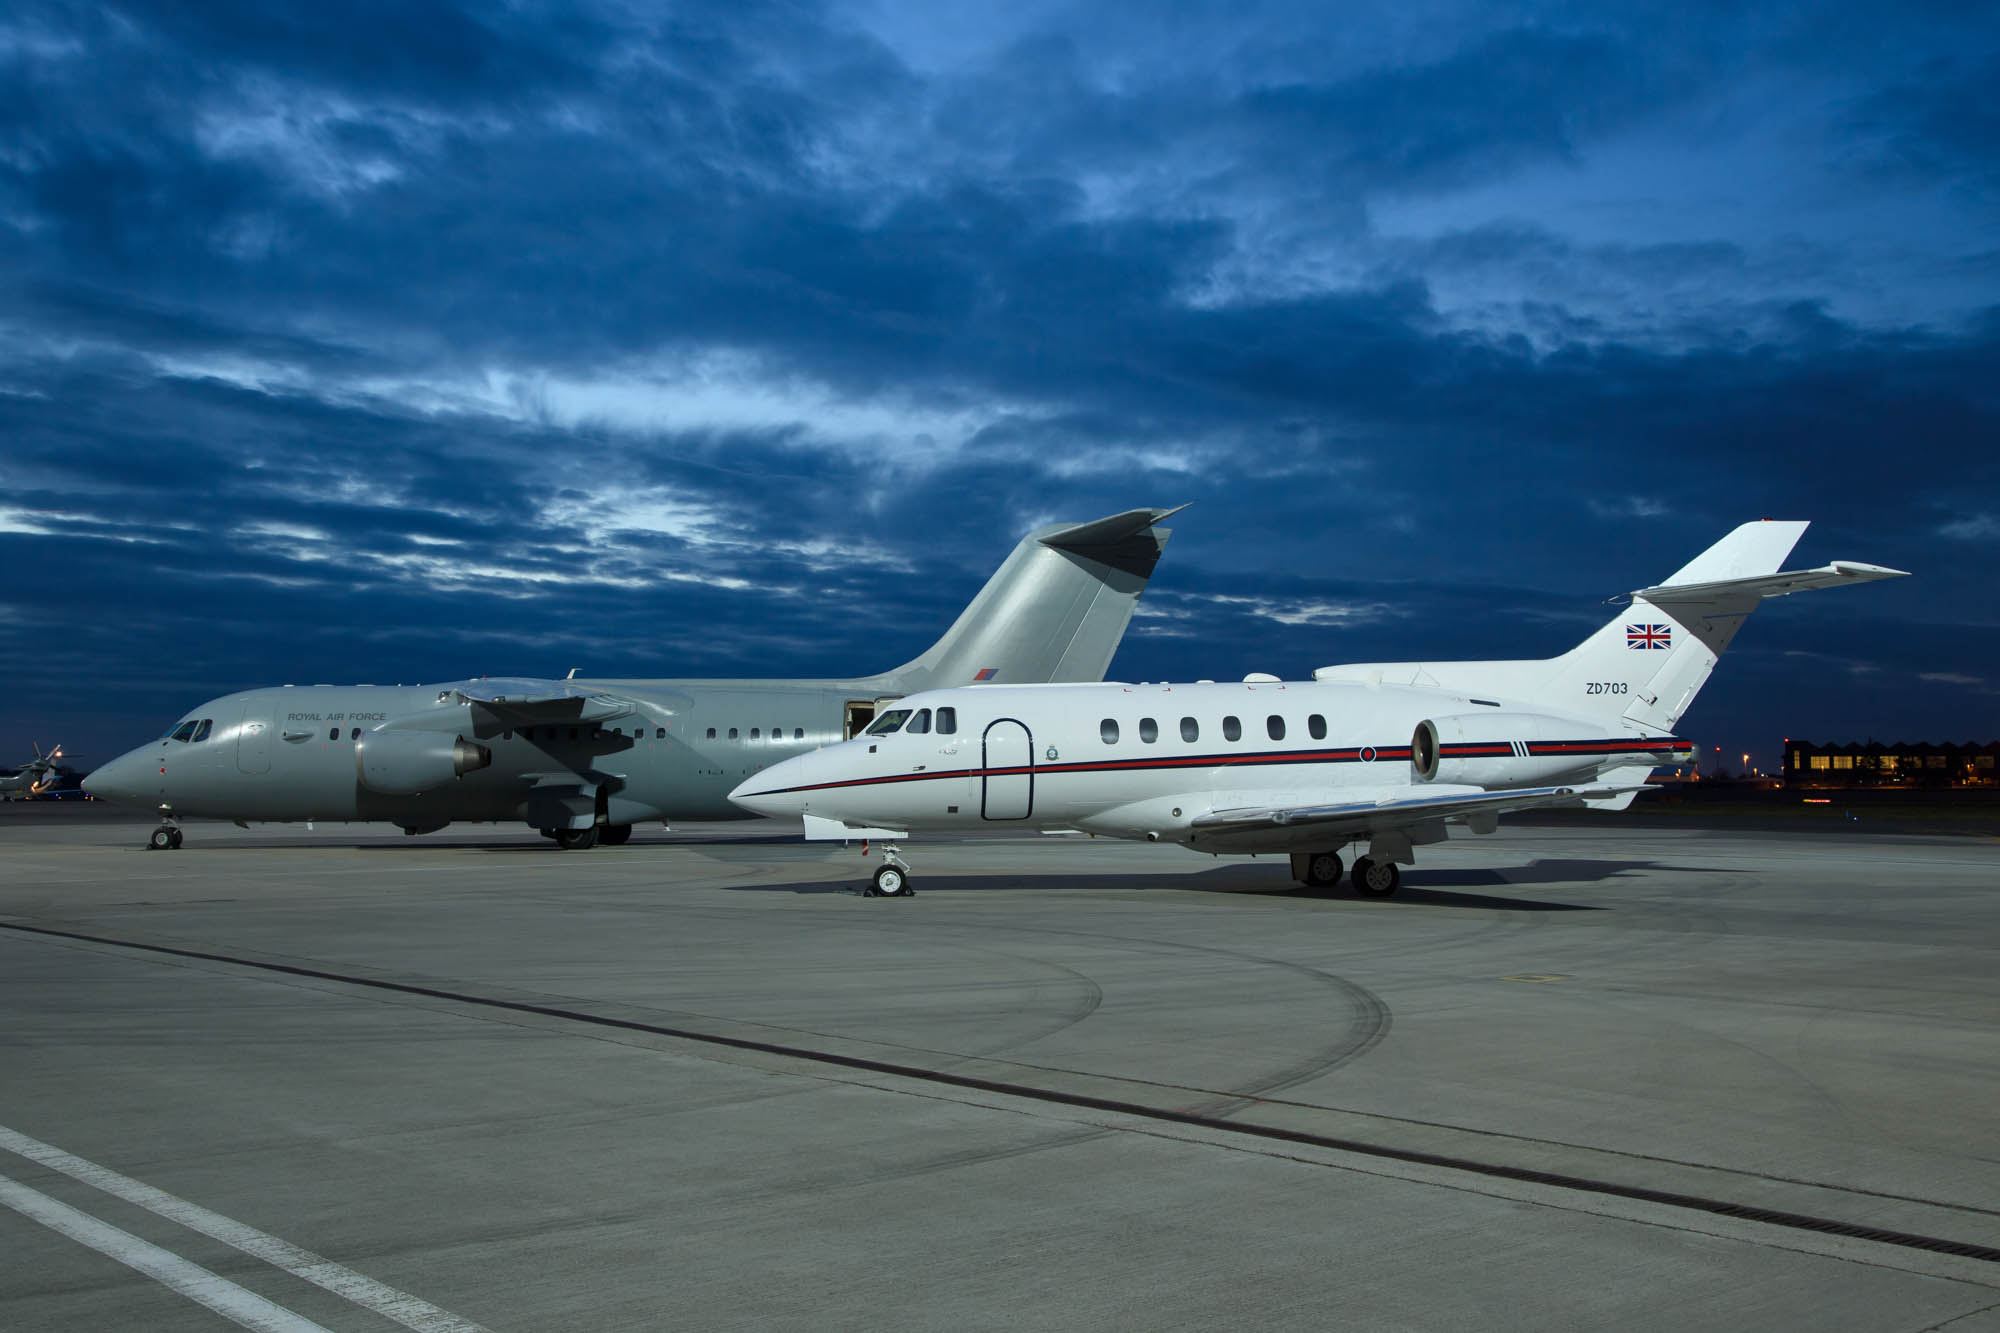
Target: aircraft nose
x=123, y=779
x=776, y=790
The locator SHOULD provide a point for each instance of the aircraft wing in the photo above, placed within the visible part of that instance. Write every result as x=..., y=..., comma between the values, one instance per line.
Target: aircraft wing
x=524, y=700
x=1358, y=817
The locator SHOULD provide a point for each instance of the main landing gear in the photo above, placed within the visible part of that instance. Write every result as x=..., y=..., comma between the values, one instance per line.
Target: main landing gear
x=1376, y=879
x=1322, y=870
x=579, y=839
x=166, y=838
x=892, y=877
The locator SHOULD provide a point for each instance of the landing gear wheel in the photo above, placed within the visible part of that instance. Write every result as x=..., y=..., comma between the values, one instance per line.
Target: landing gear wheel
x=176, y=843
x=1376, y=879
x=164, y=839
x=615, y=835
x=891, y=882
x=1323, y=870
x=576, y=839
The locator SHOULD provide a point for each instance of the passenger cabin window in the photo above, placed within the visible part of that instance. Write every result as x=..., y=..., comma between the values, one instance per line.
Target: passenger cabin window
x=355, y=735
x=920, y=725
x=889, y=721
x=798, y=733
x=1190, y=729
x=711, y=733
x=185, y=731
x=755, y=734
x=1108, y=729
x=333, y=733
x=732, y=733
x=1149, y=730
x=947, y=722
x=1274, y=726
x=659, y=733
x=201, y=730
x=1232, y=730
x=1316, y=726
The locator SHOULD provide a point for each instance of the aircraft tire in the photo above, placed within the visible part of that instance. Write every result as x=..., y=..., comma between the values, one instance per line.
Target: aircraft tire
x=891, y=883
x=615, y=835
x=576, y=839
x=1376, y=879
x=1323, y=870
x=161, y=841
x=176, y=843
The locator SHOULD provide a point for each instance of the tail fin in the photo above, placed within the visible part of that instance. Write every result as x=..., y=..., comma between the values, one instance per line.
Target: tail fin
x=1658, y=654
x=1054, y=611
x=1647, y=663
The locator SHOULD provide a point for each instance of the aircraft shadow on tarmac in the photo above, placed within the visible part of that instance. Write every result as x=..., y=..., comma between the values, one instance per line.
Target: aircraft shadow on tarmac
x=1421, y=888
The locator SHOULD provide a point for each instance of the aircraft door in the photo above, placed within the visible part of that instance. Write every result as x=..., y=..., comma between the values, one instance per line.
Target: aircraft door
x=253, y=737
x=1008, y=776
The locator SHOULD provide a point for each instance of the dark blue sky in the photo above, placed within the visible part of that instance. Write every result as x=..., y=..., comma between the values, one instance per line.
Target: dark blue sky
x=397, y=342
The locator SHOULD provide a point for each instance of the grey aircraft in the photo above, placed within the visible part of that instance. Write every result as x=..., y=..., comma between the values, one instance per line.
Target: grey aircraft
x=585, y=760
x=32, y=779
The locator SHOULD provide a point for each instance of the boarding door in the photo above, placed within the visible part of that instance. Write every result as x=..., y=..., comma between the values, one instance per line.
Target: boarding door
x=1008, y=778
x=253, y=737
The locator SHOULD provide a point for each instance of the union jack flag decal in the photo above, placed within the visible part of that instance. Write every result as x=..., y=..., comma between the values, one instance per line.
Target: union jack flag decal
x=1649, y=636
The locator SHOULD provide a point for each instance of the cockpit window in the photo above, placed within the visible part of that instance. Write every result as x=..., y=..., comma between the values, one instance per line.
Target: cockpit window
x=920, y=724
x=889, y=721
x=201, y=729
x=185, y=731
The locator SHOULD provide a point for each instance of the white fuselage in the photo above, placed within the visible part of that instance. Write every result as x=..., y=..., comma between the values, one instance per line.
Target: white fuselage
x=1148, y=761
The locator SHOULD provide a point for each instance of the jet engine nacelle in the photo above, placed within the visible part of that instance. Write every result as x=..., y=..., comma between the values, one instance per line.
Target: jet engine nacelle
x=1491, y=749
x=403, y=763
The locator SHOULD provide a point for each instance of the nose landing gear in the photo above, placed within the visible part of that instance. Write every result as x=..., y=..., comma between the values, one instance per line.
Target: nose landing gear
x=166, y=838
x=892, y=877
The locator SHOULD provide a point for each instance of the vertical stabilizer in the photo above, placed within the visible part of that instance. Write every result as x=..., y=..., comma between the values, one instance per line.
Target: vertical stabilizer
x=1054, y=611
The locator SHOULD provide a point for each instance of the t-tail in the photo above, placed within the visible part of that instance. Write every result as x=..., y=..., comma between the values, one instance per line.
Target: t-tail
x=1644, y=667
x=1054, y=611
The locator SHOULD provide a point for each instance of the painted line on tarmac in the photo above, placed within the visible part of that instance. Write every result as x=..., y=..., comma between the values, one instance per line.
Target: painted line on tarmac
x=1250, y=1129
x=237, y=1304
x=407, y=1310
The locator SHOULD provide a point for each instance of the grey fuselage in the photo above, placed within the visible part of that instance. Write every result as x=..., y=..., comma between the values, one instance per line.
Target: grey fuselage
x=290, y=752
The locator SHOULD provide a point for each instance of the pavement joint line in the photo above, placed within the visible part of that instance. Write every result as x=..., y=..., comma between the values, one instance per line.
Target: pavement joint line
x=1279, y=1133
x=410, y=1311
x=181, y=1276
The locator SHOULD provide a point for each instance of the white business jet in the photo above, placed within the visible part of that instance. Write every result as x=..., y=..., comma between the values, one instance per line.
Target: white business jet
x=1387, y=753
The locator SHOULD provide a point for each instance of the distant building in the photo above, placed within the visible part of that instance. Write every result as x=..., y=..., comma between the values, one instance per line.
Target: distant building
x=1874, y=764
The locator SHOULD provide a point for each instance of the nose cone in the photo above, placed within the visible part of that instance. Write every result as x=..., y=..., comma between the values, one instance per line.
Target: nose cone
x=777, y=790
x=125, y=779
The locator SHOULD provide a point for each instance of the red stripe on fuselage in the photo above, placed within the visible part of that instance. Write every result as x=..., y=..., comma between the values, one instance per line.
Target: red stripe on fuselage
x=1263, y=758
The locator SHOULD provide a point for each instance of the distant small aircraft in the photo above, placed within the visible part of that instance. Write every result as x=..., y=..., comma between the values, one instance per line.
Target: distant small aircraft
x=584, y=760
x=33, y=778
x=1389, y=753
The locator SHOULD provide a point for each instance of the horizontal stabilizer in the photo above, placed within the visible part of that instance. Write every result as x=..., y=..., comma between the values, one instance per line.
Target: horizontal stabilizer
x=1080, y=537
x=1780, y=584
x=821, y=829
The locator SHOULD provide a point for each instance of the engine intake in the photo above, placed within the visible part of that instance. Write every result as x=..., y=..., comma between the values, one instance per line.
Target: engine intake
x=403, y=763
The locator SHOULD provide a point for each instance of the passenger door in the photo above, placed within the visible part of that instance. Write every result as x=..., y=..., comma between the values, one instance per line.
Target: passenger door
x=1008, y=777
x=253, y=738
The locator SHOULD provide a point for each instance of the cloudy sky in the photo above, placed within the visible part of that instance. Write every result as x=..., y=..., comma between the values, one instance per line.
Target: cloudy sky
x=402, y=341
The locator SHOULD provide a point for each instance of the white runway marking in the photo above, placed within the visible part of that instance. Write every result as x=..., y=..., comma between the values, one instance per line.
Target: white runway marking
x=407, y=1310
x=169, y=1270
